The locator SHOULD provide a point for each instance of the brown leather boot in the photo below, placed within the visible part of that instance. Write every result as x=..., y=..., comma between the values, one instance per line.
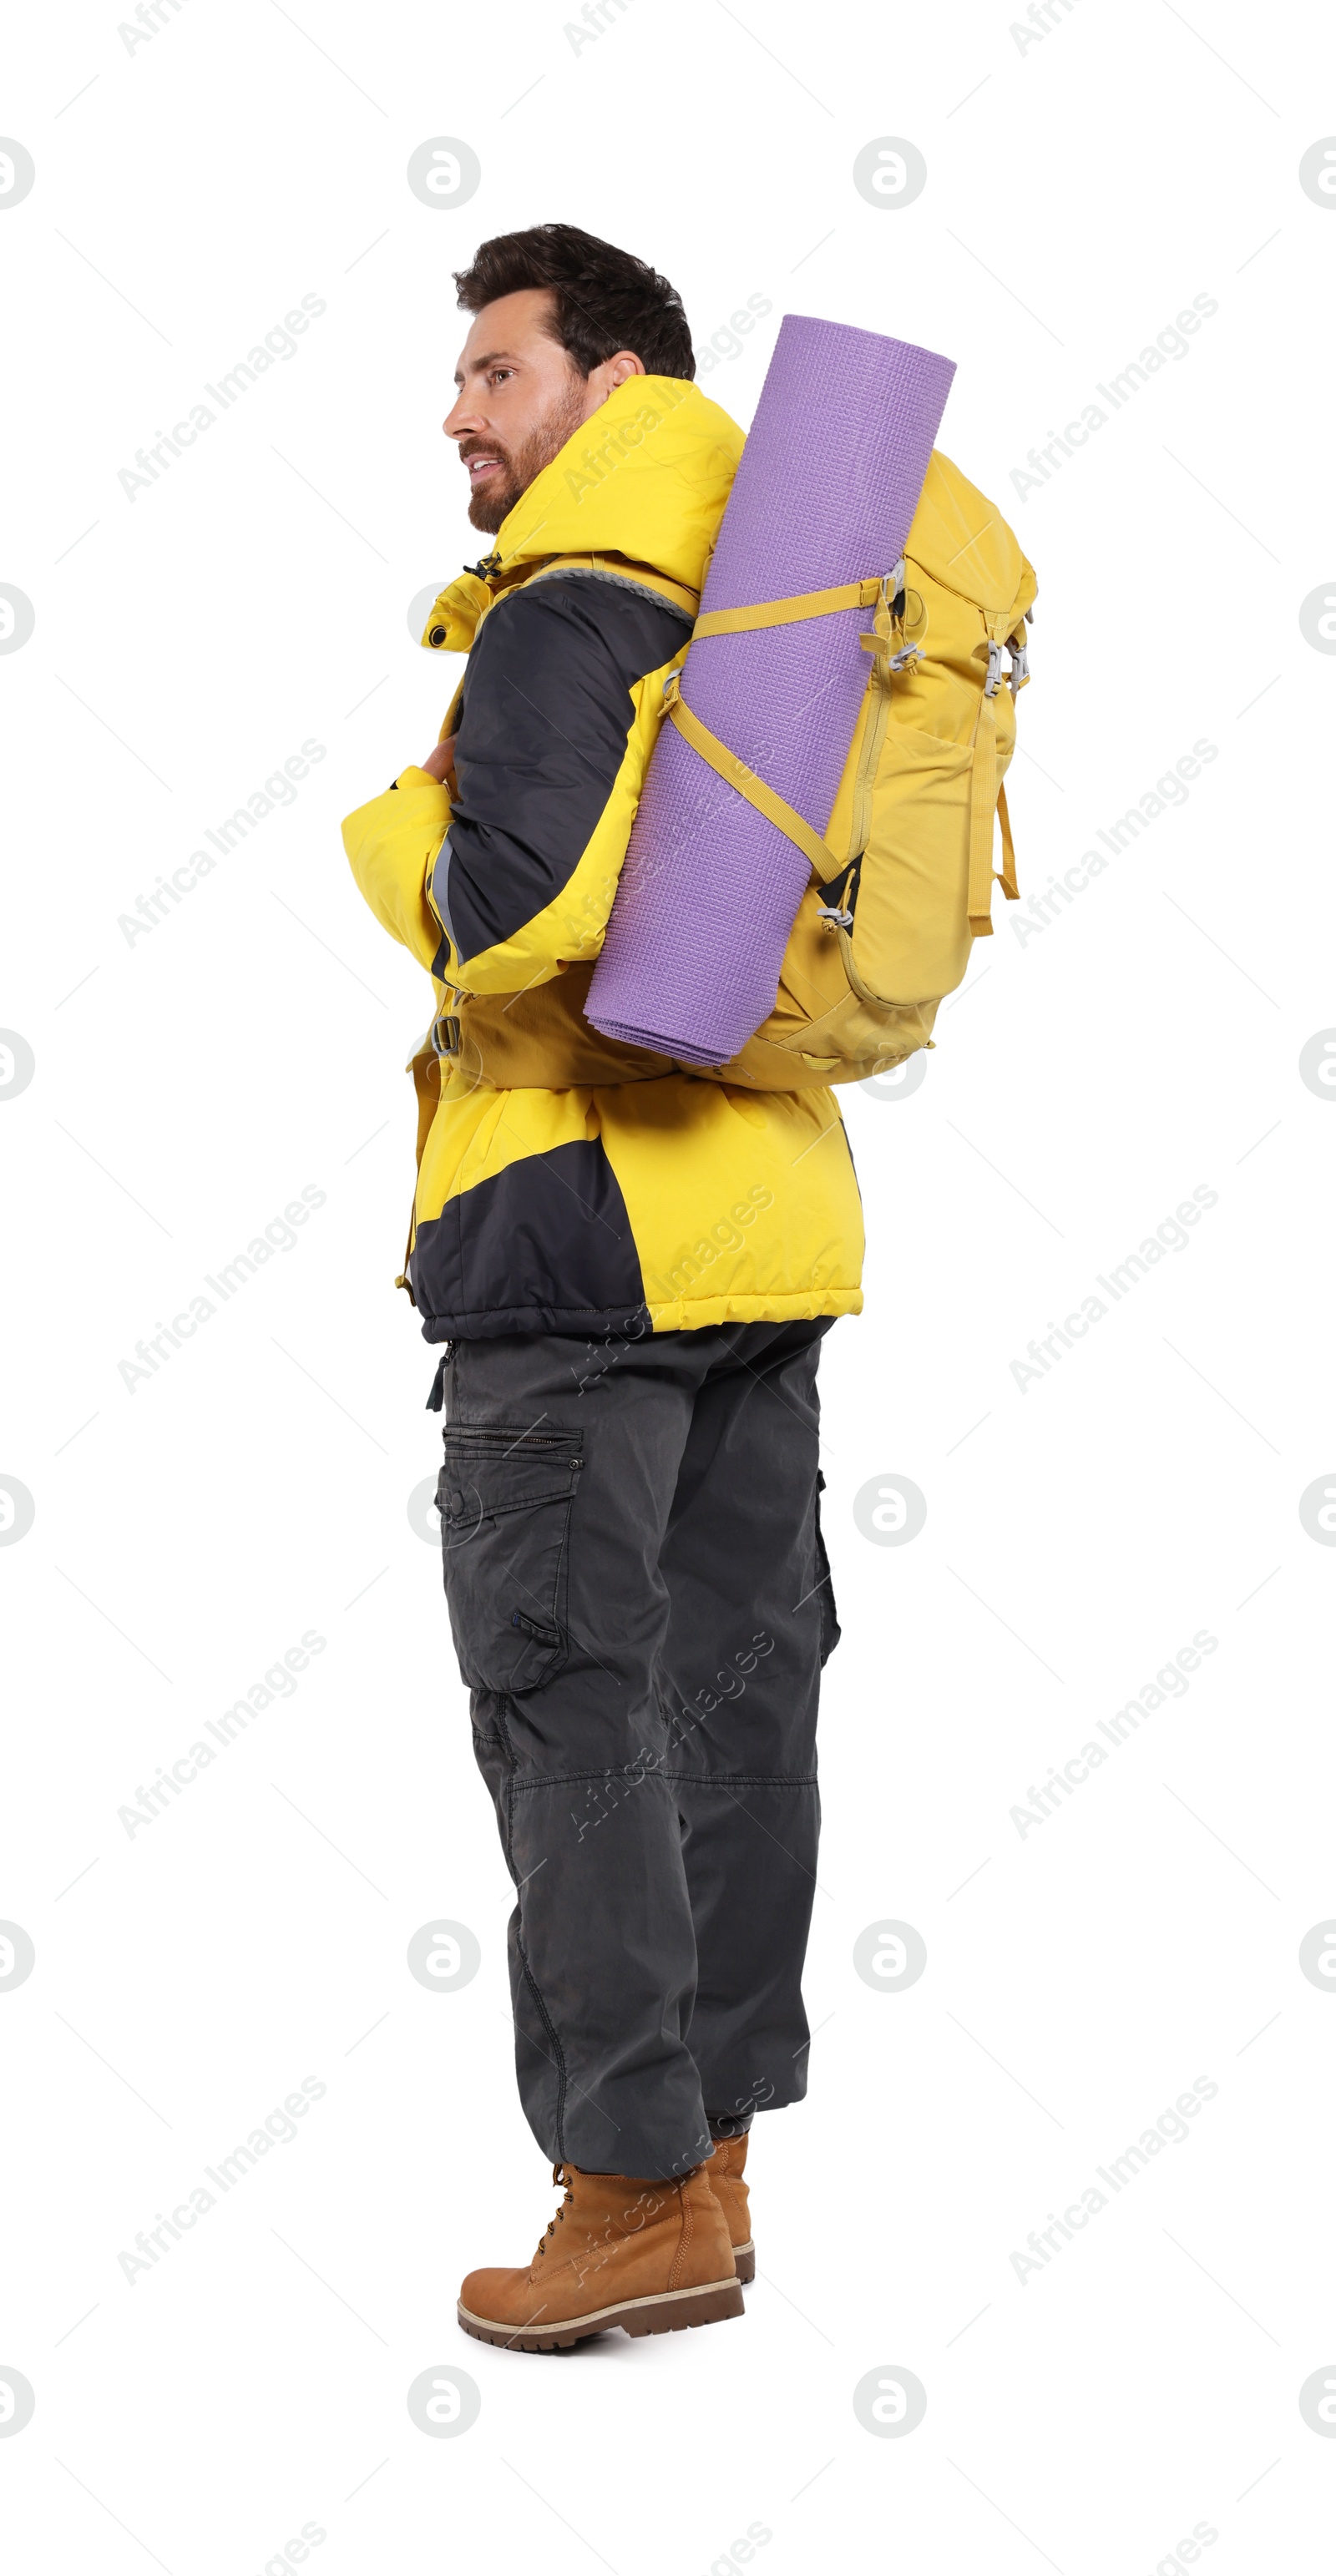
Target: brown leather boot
x=725, y=2170
x=646, y=2256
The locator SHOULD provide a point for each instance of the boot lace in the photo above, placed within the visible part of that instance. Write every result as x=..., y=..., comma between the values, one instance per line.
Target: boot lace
x=558, y=2175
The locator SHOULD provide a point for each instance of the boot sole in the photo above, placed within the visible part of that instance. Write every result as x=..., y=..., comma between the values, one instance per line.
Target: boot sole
x=744, y=2260
x=667, y=2312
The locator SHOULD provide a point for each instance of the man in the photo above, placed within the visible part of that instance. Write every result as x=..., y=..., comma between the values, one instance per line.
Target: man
x=631, y=1267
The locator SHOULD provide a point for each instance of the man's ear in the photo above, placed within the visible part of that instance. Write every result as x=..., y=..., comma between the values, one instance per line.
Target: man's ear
x=617, y=369
x=604, y=379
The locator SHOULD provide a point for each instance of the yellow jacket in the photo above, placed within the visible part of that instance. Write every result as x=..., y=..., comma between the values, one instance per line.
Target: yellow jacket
x=566, y=1184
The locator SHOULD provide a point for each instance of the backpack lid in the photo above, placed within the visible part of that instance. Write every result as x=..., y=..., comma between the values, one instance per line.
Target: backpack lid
x=963, y=542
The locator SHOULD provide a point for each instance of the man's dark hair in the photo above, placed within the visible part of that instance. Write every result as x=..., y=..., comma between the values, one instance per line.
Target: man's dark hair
x=604, y=299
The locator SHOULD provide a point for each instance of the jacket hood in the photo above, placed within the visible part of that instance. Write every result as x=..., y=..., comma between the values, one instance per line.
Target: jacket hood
x=645, y=478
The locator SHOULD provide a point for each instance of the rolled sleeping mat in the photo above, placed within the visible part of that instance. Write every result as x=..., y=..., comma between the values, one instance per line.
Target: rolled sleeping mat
x=828, y=484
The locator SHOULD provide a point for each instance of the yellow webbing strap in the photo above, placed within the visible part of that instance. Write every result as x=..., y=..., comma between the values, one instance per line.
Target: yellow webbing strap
x=787, y=612
x=726, y=764
x=735, y=773
x=1007, y=880
x=987, y=795
x=983, y=806
x=988, y=798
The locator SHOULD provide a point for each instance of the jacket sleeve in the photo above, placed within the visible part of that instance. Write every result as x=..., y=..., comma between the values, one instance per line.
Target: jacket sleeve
x=392, y=844
x=562, y=702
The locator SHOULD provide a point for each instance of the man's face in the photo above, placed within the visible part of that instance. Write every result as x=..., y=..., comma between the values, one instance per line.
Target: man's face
x=520, y=398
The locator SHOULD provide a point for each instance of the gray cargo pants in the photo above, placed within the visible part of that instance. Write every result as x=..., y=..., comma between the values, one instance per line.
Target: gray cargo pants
x=641, y=1607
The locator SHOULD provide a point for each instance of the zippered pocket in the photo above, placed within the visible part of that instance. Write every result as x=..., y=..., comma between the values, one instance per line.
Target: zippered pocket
x=484, y=1435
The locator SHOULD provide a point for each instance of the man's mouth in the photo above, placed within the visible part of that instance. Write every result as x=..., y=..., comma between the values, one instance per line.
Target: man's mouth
x=479, y=467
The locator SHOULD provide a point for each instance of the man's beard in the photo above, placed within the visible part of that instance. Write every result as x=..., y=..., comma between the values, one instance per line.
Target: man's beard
x=497, y=497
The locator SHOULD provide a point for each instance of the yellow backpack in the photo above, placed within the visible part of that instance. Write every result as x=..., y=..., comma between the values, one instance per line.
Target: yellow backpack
x=902, y=879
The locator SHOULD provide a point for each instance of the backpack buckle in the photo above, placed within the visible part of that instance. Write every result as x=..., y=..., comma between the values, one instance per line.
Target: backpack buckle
x=445, y=1034
x=1020, y=663
x=993, y=681
x=887, y=621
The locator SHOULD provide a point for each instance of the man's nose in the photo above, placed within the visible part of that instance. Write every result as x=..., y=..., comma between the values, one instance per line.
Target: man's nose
x=463, y=421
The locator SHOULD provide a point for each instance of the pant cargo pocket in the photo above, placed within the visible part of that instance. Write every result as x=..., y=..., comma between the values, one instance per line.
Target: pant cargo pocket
x=830, y=1625
x=505, y=1495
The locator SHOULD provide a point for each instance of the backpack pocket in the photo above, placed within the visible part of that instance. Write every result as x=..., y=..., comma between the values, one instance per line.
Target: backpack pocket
x=504, y=1495
x=910, y=938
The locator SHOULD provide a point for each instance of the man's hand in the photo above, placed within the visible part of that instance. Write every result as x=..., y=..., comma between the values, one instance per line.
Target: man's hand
x=440, y=763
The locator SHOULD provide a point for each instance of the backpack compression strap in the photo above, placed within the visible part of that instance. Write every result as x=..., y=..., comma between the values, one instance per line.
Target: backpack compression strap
x=735, y=773
x=987, y=795
x=727, y=764
x=787, y=612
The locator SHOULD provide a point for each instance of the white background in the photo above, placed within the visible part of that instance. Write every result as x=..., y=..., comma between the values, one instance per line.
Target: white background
x=1081, y=191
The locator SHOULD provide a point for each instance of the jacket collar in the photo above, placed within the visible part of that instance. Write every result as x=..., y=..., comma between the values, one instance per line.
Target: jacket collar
x=645, y=478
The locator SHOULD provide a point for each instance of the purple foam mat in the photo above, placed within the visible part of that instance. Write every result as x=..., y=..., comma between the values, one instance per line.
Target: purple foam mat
x=829, y=481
